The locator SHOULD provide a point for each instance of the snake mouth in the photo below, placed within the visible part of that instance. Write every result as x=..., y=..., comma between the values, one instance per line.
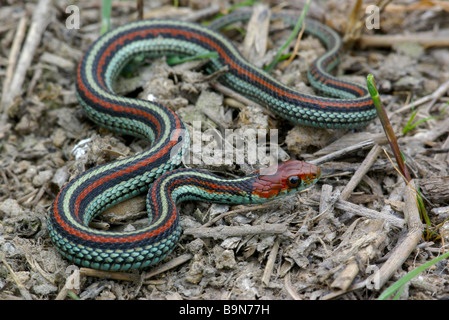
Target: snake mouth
x=285, y=178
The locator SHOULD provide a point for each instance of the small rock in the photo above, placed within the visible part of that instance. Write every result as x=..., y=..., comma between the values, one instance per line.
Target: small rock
x=10, y=208
x=441, y=56
x=224, y=259
x=8, y=248
x=196, y=246
x=247, y=287
x=59, y=178
x=385, y=86
x=21, y=167
x=59, y=137
x=42, y=177
x=26, y=125
x=107, y=295
x=412, y=49
x=408, y=83
x=195, y=273
x=44, y=289
x=300, y=138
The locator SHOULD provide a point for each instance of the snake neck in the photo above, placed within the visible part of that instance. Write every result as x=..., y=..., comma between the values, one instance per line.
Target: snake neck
x=192, y=184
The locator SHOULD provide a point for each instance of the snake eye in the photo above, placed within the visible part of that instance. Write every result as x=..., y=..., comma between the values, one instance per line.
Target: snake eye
x=293, y=181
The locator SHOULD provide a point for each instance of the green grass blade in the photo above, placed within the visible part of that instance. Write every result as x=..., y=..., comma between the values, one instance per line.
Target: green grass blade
x=247, y=3
x=389, y=132
x=409, y=122
x=106, y=9
x=177, y=60
x=410, y=126
x=73, y=295
x=292, y=36
x=401, y=282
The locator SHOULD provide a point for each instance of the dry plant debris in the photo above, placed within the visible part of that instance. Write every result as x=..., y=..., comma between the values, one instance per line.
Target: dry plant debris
x=323, y=244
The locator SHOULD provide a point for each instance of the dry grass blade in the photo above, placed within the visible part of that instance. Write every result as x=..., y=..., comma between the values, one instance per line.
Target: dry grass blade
x=38, y=25
x=295, y=50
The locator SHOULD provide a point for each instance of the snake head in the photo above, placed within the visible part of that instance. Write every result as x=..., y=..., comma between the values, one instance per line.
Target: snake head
x=285, y=178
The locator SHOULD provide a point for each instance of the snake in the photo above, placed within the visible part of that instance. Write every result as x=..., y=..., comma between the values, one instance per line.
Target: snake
x=158, y=170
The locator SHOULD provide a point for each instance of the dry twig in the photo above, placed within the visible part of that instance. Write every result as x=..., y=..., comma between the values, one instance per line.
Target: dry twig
x=361, y=171
x=13, y=55
x=223, y=232
x=405, y=248
x=270, y=263
x=39, y=23
x=167, y=266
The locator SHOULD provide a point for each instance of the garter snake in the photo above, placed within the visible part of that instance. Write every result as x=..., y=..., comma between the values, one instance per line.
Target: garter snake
x=155, y=170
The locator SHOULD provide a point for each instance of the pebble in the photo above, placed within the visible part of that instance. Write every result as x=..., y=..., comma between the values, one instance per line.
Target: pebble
x=196, y=246
x=42, y=177
x=44, y=289
x=10, y=208
x=58, y=137
x=60, y=177
x=224, y=259
x=195, y=273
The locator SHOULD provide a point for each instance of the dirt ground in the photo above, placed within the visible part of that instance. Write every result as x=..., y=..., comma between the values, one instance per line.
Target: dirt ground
x=316, y=245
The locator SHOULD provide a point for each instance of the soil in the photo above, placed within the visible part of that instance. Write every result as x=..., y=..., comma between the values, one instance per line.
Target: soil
x=293, y=248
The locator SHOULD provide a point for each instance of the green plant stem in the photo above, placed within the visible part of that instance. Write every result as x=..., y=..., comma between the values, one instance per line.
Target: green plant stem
x=401, y=282
x=106, y=9
x=394, y=143
x=387, y=126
